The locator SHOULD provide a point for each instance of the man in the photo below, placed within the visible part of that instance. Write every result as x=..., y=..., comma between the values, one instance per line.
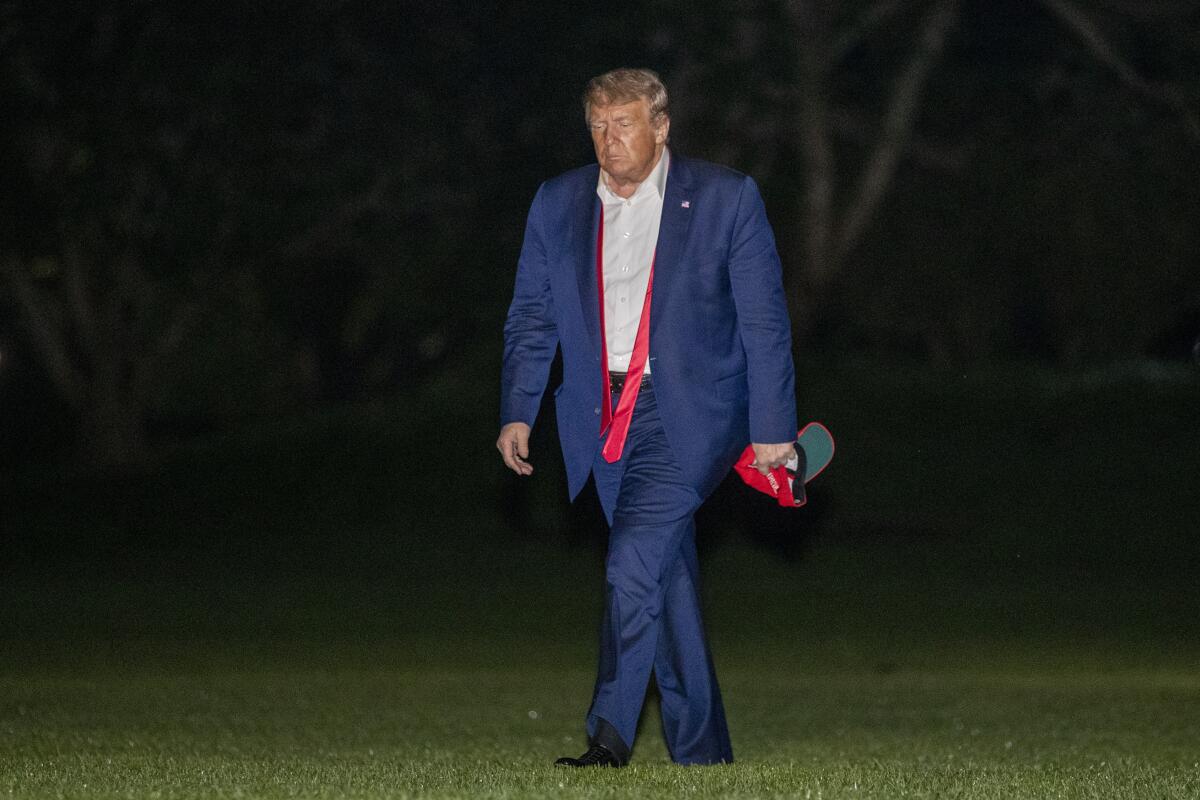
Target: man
x=658, y=278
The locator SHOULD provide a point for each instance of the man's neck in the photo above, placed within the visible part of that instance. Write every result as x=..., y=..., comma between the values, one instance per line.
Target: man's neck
x=623, y=189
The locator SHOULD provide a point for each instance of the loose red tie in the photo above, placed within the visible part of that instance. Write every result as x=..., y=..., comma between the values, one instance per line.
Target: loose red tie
x=617, y=424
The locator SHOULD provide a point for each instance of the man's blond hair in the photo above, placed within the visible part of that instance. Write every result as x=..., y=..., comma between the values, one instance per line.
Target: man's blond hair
x=626, y=85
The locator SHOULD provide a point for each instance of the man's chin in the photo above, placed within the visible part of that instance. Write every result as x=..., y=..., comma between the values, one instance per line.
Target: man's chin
x=618, y=171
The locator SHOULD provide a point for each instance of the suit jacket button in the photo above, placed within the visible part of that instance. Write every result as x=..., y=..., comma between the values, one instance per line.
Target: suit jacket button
x=596, y=411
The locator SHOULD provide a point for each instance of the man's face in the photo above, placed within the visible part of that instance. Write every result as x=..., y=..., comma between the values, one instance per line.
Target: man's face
x=627, y=143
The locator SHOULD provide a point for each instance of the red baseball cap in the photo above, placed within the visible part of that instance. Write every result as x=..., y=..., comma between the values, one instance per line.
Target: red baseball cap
x=814, y=451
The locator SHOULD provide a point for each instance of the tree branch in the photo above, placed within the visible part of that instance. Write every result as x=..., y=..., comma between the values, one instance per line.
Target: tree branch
x=857, y=128
x=898, y=122
x=872, y=17
x=1091, y=36
x=78, y=301
x=816, y=143
x=47, y=337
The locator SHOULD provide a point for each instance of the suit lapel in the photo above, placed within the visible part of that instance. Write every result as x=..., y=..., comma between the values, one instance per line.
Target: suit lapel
x=585, y=220
x=672, y=237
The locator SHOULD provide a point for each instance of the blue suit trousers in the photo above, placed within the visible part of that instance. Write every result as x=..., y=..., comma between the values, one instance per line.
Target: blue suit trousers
x=652, y=619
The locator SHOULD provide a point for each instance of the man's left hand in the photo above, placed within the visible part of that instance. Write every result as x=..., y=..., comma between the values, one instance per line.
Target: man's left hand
x=769, y=456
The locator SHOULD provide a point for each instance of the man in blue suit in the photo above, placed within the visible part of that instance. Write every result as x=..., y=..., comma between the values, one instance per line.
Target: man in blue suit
x=658, y=278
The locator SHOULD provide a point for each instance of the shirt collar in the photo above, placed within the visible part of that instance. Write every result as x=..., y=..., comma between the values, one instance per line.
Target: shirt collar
x=656, y=181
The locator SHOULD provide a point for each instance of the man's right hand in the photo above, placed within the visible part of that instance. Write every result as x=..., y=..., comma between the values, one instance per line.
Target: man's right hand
x=513, y=445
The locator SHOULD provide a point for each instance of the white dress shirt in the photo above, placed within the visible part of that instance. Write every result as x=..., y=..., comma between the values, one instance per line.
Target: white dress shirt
x=630, y=237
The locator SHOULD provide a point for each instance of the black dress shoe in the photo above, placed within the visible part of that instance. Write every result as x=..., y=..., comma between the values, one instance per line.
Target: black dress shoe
x=596, y=756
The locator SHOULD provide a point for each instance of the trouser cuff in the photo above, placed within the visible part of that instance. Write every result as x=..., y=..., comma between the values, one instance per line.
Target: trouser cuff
x=606, y=736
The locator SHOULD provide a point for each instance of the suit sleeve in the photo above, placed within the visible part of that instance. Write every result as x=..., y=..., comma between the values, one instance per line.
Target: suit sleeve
x=530, y=331
x=756, y=279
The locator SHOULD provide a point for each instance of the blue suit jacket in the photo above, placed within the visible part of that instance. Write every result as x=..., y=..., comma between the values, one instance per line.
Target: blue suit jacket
x=720, y=339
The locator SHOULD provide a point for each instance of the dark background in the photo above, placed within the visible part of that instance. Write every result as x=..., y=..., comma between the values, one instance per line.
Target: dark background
x=254, y=264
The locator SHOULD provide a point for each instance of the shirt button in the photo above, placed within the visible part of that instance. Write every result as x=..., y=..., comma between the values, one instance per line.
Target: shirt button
x=627, y=234
x=624, y=268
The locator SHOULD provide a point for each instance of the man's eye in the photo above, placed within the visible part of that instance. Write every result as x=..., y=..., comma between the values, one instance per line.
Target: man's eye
x=626, y=123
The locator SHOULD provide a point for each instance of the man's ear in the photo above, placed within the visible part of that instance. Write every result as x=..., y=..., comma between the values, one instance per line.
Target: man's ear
x=660, y=133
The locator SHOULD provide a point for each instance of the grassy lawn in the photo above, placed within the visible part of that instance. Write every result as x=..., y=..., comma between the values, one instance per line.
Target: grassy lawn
x=993, y=596
x=300, y=731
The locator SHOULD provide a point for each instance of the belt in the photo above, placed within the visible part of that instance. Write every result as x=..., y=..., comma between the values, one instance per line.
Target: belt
x=616, y=380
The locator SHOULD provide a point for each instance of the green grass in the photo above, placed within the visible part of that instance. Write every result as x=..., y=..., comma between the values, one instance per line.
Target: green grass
x=994, y=598
x=297, y=731
x=836, y=686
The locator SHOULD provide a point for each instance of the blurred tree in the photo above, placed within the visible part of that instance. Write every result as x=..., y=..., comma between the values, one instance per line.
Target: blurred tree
x=393, y=283
x=100, y=310
x=840, y=89
x=139, y=188
x=212, y=211
x=842, y=107
x=834, y=226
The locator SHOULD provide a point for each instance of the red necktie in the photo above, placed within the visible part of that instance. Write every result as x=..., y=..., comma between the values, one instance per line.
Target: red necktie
x=619, y=421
